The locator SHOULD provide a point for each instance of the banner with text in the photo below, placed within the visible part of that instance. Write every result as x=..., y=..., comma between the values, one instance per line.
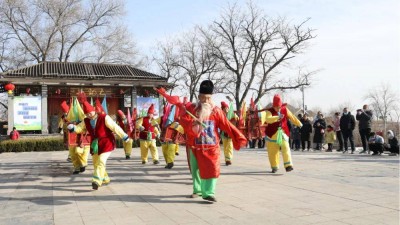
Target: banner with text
x=27, y=112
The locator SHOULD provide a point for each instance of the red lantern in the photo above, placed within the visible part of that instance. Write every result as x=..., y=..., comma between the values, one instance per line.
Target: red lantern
x=28, y=90
x=9, y=88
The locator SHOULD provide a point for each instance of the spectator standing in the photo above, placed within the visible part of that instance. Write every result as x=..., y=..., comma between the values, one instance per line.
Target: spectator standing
x=336, y=127
x=295, y=136
x=347, y=125
x=14, y=134
x=305, y=133
x=330, y=137
x=364, y=116
x=319, y=131
x=393, y=145
x=375, y=143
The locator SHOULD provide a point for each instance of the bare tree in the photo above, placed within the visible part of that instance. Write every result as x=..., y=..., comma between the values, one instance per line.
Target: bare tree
x=63, y=30
x=166, y=61
x=187, y=60
x=253, y=47
x=383, y=100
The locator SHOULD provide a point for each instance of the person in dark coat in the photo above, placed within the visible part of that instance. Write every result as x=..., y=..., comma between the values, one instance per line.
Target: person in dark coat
x=364, y=117
x=319, y=131
x=305, y=133
x=393, y=145
x=347, y=125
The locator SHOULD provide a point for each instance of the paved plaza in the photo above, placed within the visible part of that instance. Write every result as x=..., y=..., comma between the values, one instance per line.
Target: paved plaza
x=37, y=188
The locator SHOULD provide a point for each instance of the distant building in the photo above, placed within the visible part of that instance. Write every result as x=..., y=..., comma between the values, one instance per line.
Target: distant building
x=44, y=86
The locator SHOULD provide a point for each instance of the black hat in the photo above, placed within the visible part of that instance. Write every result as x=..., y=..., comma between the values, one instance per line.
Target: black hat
x=206, y=87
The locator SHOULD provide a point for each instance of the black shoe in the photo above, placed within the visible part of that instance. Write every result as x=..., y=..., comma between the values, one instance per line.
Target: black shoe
x=375, y=153
x=274, y=170
x=328, y=151
x=155, y=162
x=143, y=162
x=82, y=169
x=210, y=199
x=363, y=151
x=69, y=160
x=352, y=152
x=228, y=163
x=169, y=166
x=127, y=157
x=289, y=168
x=344, y=151
x=75, y=172
x=95, y=186
x=176, y=153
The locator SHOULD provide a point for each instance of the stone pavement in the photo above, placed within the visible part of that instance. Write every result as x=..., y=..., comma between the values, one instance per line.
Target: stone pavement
x=37, y=188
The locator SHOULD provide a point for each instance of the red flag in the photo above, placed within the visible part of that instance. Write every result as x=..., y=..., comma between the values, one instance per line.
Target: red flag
x=167, y=109
x=129, y=120
x=252, y=105
x=133, y=120
x=174, y=100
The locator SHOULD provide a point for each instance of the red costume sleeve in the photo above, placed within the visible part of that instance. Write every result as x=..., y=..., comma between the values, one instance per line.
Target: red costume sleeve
x=237, y=137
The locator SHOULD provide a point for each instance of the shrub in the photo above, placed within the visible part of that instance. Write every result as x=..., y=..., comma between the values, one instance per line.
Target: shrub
x=32, y=145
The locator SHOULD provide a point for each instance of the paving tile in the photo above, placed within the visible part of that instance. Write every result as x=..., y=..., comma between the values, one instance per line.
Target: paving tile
x=324, y=189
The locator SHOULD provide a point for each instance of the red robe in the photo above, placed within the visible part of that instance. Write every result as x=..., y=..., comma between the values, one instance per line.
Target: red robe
x=205, y=145
x=102, y=133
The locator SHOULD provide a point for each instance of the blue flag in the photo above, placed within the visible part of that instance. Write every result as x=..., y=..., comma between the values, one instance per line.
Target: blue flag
x=104, y=104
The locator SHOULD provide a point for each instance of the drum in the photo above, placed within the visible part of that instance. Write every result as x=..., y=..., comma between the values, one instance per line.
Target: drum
x=75, y=139
x=168, y=134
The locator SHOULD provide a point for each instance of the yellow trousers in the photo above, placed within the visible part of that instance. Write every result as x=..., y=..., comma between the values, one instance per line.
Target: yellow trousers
x=144, y=150
x=127, y=147
x=273, y=154
x=176, y=148
x=79, y=157
x=100, y=175
x=168, y=150
x=228, y=148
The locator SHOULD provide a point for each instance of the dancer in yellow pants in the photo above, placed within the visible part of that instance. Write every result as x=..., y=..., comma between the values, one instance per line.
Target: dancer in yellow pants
x=123, y=123
x=226, y=140
x=79, y=155
x=102, y=129
x=148, y=127
x=277, y=134
x=169, y=147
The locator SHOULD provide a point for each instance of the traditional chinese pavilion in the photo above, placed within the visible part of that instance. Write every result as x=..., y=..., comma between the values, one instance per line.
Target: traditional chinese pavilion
x=50, y=83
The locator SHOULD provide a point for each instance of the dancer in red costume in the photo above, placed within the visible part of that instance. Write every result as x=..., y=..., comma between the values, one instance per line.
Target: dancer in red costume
x=100, y=128
x=277, y=134
x=123, y=123
x=201, y=122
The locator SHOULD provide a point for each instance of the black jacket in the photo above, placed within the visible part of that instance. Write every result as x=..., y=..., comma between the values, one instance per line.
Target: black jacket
x=347, y=122
x=365, y=119
x=305, y=130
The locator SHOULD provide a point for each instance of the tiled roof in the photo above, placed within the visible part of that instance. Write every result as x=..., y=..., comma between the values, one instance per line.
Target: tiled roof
x=89, y=71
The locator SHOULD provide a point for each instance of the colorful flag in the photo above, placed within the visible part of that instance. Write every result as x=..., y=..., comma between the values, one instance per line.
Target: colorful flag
x=230, y=113
x=75, y=113
x=104, y=104
x=171, y=116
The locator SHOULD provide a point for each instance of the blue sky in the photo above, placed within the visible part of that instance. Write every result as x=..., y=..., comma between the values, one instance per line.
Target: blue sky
x=357, y=45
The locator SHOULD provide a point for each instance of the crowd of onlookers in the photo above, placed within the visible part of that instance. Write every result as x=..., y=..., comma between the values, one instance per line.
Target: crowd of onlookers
x=341, y=130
